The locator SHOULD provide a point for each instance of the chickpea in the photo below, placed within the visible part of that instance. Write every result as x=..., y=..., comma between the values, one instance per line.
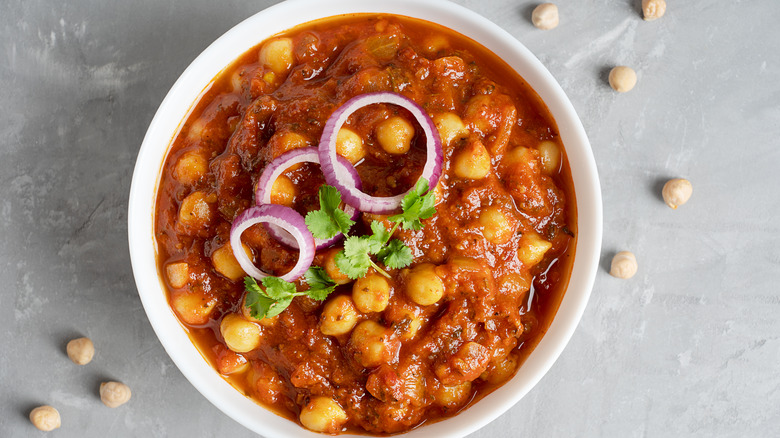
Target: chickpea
x=178, y=274
x=545, y=16
x=225, y=262
x=332, y=269
x=497, y=226
x=349, y=145
x=395, y=135
x=468, y=363
x=408, y=325
x=237, y=79
x=423, y=285
x=623, y=265
x=482, y=114
x=338, y=316
x=80, y=350
x=323, y=414
x=193, y=308
x=550, y=156
x=195, y=131
x=371, y=343
x=622, y=78
x=283, y=191
x=499, y=371
x=433, y=44
x=277, y=55
x=452, y=396
x=515, y=284
x=239, y=334
x=472, y=162
x=450, y=127
x=522, y=157
x=466, y=264
x=653, y=9
x=45, y=418
x=532, y=249
x=677, y=192
x=190, y=167
x=282, y=142
x=371, y=293
x=114, y=394
x=195, y=210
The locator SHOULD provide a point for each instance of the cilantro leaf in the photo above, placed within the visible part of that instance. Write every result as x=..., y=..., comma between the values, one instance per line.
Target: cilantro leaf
x=416, y=205
x=320, y=294
x=343, y=220
x=321, y=225
x=354, y=260
x=316, y=277
x=278, y=289
x=395, y=255
x=320, y=283
x=278, y=306
x=271, y=299
x=329, y=220
x=330, y=198
x=257, y=301
x=377, y=240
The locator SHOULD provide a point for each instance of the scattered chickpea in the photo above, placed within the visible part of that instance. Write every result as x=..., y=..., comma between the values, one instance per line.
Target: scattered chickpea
x=545, y=16
x=80, y=350
x=114, y=394
x=45, y=418
x=622, y=78
x=623, y=265
x=653, y=9
x=677, y=192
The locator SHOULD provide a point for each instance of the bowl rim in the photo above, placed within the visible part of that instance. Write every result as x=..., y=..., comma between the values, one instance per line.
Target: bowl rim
x=177, y=105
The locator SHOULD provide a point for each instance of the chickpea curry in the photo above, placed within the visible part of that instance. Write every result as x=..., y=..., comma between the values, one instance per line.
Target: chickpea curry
x=439, y=229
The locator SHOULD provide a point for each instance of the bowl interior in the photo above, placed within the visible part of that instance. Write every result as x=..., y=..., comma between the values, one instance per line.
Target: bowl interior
x=249, y=33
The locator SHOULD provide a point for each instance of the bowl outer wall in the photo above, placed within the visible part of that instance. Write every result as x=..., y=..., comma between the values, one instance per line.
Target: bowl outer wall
x=176, y=107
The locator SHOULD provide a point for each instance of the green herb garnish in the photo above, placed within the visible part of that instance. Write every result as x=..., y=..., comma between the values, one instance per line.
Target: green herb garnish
x=329, y=220
x=355, y=259
x=275, y=295
x=417, y=205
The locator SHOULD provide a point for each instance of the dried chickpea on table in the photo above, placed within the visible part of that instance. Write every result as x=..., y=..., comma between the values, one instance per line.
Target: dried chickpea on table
x=452, y=294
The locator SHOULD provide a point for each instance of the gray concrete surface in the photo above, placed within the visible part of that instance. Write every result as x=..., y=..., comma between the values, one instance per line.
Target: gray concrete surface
x=688, y=347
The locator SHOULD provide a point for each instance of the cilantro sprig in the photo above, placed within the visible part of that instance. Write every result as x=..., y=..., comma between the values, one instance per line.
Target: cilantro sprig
x=354, y=260
x=329, y=220
x=416, y=206
x=275, y=295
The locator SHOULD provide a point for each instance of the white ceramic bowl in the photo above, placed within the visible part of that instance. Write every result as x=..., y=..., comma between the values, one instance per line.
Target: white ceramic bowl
x=281, y=17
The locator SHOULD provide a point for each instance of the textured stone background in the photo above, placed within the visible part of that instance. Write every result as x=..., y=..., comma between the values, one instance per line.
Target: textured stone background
x=688, y=347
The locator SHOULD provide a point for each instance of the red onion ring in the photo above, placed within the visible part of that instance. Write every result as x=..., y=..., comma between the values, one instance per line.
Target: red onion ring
x=337, y=177
x=275, y=169
x=283, y=217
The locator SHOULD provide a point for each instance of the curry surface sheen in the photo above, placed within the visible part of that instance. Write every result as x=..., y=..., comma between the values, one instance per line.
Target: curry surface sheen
x=489, y=270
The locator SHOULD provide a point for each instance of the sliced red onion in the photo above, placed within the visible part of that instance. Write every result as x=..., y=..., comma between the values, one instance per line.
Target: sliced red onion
x=280, y=216
x=337, y=177
x=278, y=166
